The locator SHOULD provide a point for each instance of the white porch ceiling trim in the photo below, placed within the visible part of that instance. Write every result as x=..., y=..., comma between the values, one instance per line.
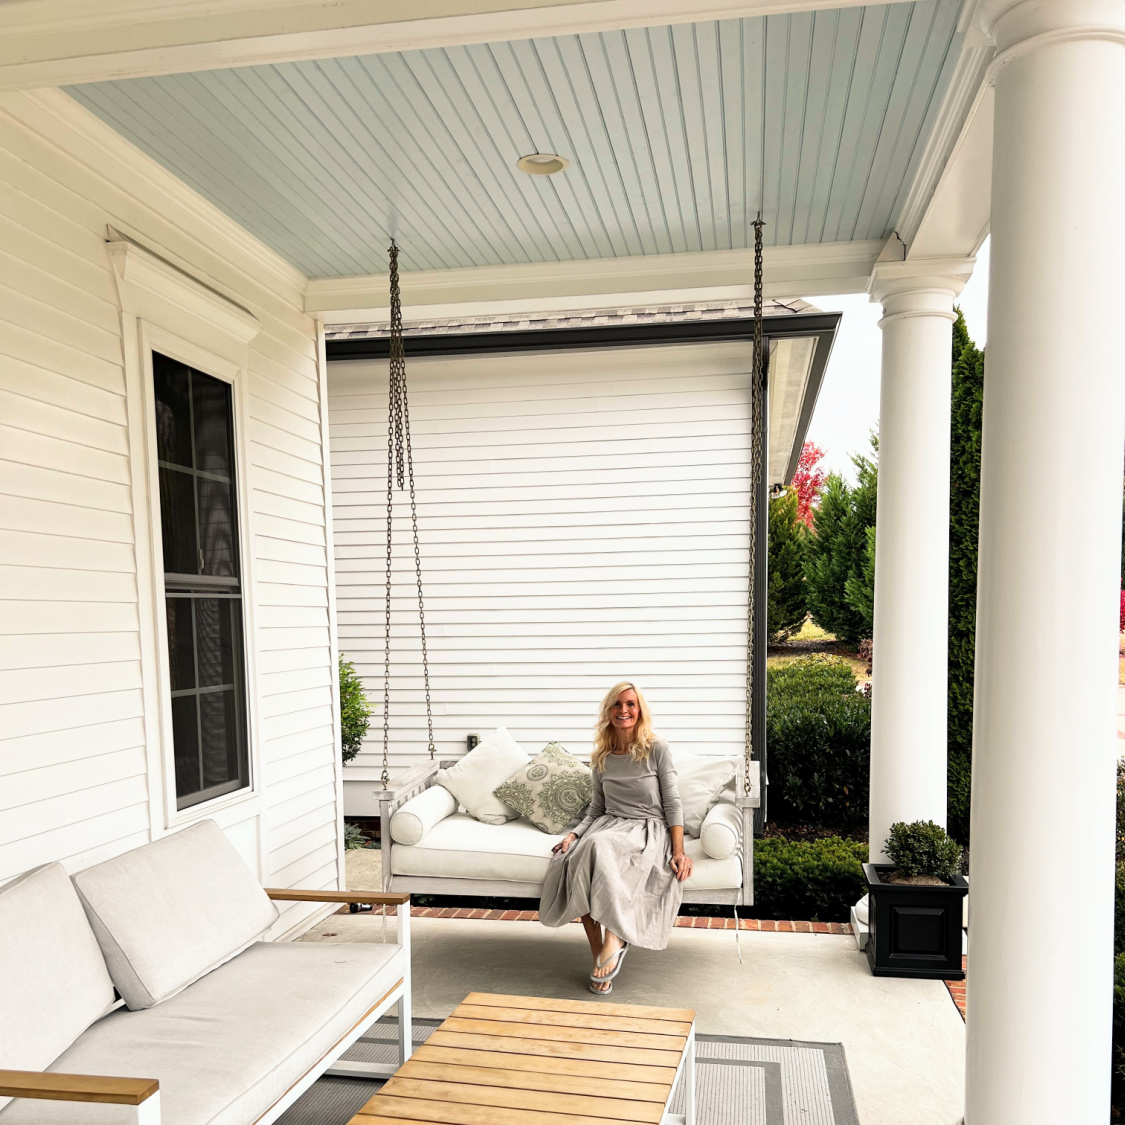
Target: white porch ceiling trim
x=66, y=42
x=788, y=271
x=60, y=120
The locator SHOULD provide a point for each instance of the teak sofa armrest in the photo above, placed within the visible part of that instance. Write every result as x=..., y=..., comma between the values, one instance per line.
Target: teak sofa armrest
x=375, y=898
x=76, y=1087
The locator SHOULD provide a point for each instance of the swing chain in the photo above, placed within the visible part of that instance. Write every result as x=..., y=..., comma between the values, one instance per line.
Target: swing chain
x=400, y=470
x=757, y=406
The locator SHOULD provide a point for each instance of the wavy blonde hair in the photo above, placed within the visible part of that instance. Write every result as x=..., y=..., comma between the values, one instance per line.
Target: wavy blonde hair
x=605, y=737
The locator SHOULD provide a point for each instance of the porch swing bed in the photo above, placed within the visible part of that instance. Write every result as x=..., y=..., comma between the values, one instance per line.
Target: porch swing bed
x=432, y=846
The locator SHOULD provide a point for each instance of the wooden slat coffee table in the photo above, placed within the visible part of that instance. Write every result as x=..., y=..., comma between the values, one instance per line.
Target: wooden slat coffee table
x=513, y=1060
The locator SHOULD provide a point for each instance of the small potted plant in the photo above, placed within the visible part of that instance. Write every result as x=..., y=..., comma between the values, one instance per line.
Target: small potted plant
x=915, y=904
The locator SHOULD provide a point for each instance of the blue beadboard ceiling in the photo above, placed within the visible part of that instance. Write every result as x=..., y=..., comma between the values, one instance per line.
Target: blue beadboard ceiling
x=676, y=136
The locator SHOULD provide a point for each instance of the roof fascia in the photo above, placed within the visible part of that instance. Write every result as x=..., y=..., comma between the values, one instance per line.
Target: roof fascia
x=63, y=42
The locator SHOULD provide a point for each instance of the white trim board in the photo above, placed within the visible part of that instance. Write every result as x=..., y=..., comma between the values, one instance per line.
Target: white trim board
x=789, y=271
x=62, y=42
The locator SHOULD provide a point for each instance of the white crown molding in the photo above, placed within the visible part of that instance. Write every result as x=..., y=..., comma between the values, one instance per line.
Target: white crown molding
x=143, y=279
x=62, y=42
x=57, y=118
x=788, y=271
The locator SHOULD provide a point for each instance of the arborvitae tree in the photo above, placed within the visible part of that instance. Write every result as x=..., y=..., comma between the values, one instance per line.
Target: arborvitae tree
x=860, y=589
x=788, y=538
x=964, y=521
x=838, y=552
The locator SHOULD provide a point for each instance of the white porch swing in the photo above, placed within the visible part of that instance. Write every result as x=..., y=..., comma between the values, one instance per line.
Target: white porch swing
x=429, y=846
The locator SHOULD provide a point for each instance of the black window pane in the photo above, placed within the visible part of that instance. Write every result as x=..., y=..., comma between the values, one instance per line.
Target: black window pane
x=212, y=406
x=181, y=649
x=185, y=734
x=173, y=413
x=177, y=522
x=216, y=529
x=220, y=740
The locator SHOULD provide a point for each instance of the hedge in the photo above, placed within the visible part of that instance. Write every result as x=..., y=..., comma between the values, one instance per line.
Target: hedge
x=816, y=880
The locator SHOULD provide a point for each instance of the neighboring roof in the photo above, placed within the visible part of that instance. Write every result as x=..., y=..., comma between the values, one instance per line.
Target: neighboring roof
x=581, y=318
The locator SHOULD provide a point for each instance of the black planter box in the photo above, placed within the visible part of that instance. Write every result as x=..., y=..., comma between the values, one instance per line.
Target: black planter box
x=914, y=931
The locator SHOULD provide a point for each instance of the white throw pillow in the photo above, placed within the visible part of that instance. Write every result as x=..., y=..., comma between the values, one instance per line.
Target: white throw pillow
x=722, y=831
x=701, y=780
x=474, y=777
x=418, y=815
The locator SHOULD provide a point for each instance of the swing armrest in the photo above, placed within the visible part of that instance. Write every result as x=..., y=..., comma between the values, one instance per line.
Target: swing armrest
x=407, y=784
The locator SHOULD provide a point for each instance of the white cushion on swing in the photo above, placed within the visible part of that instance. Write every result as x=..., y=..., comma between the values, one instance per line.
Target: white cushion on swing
x=722, y=831
x=460, y=847
x=701, y=781
x=487, y=765
x=421, y=813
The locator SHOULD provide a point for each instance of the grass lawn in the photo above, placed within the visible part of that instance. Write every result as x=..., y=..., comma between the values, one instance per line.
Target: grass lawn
x=812, y=638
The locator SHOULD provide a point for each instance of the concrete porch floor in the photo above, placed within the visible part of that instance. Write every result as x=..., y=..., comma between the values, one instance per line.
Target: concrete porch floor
x=904, y=1039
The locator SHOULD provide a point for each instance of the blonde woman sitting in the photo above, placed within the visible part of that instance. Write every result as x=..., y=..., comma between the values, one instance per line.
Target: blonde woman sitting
x=621, y=868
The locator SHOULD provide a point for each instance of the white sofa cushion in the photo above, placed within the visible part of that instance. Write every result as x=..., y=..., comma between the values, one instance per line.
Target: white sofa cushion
x=474, y=777
x=722, y=831
x=418, y=815
x=701, y=781
x=225, y=1049
x=170, y=911
x=462, y=848
x=53, y=978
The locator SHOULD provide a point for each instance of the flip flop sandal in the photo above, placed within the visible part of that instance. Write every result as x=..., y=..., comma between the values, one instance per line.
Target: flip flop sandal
x=600, y=991
x=620, y=955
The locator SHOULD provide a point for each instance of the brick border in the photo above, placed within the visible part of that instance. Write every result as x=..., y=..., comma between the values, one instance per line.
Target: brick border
x=762, y=925
x=957, y=990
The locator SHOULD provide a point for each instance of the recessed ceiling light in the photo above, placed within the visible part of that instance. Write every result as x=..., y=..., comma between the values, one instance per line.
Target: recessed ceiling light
x=541, y=163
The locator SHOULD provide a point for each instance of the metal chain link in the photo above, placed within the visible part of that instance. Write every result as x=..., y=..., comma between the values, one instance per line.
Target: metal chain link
x=757, y=406
x=400, y=469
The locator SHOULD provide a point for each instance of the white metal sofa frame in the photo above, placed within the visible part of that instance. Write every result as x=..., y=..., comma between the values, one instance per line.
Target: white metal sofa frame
x=420, y=777
x=141, y=1096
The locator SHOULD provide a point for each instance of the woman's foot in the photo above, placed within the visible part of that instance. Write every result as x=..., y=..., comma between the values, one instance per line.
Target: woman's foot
x=612, y=949
x=594, y=937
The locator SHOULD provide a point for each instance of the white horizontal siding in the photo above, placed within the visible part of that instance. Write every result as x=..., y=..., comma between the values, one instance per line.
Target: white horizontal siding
x=74, y=781
x=583, y=519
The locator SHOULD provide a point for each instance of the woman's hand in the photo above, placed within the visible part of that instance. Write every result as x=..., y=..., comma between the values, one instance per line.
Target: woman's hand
x=681, y=865
x=565, y=842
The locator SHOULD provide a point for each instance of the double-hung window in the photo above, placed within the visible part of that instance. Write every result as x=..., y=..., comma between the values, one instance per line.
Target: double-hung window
x=202, y=581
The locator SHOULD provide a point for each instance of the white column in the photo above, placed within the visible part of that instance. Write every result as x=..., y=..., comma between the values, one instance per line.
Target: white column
x=1040, y=945
x=911, y=632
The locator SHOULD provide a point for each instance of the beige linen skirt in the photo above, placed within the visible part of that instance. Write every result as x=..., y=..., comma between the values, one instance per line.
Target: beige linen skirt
x=617, y=872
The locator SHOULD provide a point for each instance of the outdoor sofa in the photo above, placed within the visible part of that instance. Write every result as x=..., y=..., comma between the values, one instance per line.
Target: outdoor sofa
x=139, y=990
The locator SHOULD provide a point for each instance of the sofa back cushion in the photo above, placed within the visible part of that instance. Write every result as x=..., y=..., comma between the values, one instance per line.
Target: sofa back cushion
x=53, y=978
x=168, y=912
x=702, y=782
x=472, y=779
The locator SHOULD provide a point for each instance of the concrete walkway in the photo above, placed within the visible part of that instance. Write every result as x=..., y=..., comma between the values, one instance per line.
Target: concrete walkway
x=904, y=1039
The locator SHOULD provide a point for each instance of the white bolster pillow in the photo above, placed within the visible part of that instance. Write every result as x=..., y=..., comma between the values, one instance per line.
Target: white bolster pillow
x=722, y=831
x=421, y=813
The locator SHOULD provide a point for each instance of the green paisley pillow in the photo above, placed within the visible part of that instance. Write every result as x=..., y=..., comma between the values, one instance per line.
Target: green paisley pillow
x=551, y=790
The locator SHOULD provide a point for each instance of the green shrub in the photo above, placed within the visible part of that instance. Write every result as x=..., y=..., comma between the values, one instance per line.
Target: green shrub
x=964, y=523
x=816, y=880
x=355, y=713
x=787, y=607
x=838, y=578
x=818, y=736
x=353, y=836
x=923, y=848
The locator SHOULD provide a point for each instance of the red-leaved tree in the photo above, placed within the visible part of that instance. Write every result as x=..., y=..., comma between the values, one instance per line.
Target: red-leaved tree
x=808, y=481
x=1123, y=611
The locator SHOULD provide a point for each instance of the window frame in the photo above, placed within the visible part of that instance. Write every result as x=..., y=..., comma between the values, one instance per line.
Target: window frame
x=167, y=311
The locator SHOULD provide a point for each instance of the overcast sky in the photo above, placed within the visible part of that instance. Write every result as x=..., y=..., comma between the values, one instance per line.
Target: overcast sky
x=848, y=407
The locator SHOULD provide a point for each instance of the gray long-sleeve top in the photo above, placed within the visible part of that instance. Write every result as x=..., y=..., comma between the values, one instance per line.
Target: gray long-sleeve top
x=636, y=790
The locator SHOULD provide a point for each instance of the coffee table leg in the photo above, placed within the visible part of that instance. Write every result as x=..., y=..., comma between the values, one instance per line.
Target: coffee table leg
x=689, y=1075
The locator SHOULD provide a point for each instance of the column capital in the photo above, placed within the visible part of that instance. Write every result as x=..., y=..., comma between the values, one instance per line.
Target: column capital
x=922, y=287
x=1018, y=27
